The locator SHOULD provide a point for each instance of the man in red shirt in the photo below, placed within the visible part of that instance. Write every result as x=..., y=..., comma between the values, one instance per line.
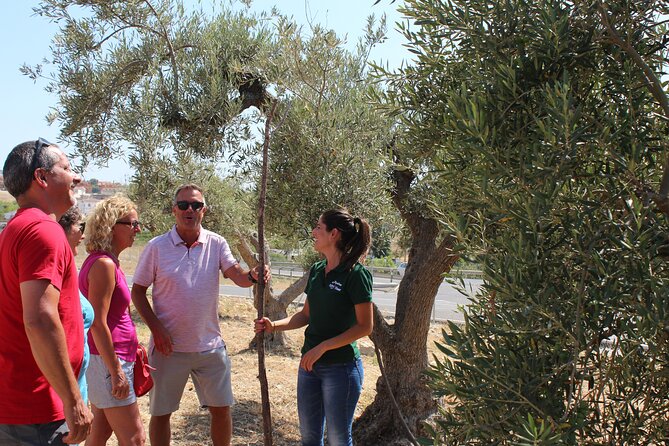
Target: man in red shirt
x=41, y=340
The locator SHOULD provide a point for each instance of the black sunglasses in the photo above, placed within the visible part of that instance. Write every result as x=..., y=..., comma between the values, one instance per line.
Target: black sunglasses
x=135, y=224
x=195, y=205
x=40, y=144
x=82, y=226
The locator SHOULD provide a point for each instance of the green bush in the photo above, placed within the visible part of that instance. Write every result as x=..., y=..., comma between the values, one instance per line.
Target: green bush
x=382, y=262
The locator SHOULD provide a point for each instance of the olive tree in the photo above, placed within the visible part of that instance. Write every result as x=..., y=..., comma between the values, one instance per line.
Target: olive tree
x=558, y=147
x=178, y=91
x=165, y=86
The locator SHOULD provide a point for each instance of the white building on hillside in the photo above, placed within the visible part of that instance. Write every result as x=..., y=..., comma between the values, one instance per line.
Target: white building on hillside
x=87, y=202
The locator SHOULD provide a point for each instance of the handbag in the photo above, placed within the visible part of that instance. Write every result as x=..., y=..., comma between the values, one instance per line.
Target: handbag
x=142, y=382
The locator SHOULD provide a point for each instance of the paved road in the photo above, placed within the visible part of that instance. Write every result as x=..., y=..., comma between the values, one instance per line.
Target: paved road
x=446, y=302
x=385, y=295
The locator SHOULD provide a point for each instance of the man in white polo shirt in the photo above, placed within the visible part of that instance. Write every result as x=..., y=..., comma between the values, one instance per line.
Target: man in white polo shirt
x=183, y=265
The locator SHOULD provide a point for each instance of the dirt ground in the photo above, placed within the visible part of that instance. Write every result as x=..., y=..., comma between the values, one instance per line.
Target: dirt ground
x=190, y=424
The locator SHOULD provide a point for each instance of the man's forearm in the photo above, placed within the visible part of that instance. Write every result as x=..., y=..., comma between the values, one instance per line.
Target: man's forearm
x=49, y=347
x=141, y=303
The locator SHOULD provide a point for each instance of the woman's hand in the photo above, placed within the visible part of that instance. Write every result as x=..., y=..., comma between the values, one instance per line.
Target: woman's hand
x=120, y=385
x=264, y=324
x=309, y=358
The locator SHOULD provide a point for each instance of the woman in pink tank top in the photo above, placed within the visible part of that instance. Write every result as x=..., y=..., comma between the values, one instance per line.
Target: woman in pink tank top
x=112, y=339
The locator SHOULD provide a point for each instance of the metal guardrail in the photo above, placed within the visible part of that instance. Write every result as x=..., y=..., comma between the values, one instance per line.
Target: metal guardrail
x=287, y=269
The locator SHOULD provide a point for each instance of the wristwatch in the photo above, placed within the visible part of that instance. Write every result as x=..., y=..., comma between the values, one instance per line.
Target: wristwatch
x=251, y=279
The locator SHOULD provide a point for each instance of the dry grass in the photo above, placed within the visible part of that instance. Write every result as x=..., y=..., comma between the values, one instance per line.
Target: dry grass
x=190, y=424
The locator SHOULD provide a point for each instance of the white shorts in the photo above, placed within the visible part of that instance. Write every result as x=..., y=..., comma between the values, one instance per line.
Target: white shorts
x=210, y=371
x=100, y=387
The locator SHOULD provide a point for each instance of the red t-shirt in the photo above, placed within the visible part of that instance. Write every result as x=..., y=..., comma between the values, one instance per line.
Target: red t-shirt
x=33, y=247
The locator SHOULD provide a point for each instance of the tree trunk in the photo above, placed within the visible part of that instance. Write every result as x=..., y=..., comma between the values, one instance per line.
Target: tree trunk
x=404, y=344
x=275, y=306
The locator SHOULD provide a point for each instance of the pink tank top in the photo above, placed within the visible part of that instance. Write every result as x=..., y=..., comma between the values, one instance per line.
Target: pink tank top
x=124, y=335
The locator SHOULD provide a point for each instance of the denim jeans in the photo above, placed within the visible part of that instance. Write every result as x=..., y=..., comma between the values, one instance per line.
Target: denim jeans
x=328, y=395
x=31, y=434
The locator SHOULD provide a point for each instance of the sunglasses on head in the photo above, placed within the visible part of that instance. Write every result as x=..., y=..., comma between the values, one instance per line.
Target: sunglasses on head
x=195, y=205
x=135, y=224
x=40, y=144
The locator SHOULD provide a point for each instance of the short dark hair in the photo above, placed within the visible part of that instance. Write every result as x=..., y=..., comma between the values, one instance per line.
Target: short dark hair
x=17, y=171
x=72, y=216
x=188, y=186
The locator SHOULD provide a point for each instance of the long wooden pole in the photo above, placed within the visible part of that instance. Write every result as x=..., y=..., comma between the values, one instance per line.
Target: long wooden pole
x=260, y=289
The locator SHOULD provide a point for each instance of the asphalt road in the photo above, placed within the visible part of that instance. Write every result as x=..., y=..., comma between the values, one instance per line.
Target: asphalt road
x=446, y=303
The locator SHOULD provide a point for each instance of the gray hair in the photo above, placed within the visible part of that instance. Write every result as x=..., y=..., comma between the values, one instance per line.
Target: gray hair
x=189, y=186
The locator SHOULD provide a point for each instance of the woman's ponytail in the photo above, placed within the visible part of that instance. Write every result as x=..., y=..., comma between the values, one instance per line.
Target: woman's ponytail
x=355, y=237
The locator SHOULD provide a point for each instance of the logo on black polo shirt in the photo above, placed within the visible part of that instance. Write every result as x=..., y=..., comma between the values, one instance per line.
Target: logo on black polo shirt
x=334, y=285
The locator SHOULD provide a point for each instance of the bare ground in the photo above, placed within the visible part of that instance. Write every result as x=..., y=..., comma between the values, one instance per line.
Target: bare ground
x=190, y=424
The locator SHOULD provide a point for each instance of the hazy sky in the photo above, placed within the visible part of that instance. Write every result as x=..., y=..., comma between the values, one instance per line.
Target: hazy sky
x=26, y=38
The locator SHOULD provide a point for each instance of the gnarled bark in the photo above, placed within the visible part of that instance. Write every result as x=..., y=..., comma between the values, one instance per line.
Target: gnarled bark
x=275, y=306
x=404, y=343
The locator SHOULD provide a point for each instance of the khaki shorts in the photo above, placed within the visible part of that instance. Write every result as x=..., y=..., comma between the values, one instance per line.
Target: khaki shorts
x=209, y=370
x=98, y=379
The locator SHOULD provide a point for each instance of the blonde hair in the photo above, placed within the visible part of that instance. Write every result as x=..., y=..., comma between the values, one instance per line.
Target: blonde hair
x=103, y=218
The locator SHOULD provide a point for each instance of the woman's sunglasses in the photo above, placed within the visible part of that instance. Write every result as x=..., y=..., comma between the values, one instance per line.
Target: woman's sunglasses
x=135, y=224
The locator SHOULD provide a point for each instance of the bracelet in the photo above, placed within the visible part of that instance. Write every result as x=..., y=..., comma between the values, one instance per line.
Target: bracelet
x=250, y=277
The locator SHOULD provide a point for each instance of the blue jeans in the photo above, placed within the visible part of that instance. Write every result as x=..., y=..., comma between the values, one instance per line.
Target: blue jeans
x=328, y=395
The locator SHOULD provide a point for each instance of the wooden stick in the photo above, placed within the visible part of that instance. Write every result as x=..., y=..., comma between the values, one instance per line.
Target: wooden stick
x=260, y=289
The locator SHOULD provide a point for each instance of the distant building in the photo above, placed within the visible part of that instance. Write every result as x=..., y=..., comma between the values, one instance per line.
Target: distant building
x=80, y=191
x=86, y=199
x=88, y=187
x=111, y=188
x=88, y=202
x=89, y=193
x=106, y=188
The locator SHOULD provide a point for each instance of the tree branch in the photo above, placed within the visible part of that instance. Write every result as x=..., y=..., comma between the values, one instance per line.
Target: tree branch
x=104, y=39
x=654, y=84
x=383, y=333
x=260, y=288
x=661, y=199
x=169, y=45
x=295, y=289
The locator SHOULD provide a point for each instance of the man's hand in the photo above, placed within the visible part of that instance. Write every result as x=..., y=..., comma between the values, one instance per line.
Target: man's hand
x=79, y=419
x=255, y=272
x=162, y=339
x=246, y=278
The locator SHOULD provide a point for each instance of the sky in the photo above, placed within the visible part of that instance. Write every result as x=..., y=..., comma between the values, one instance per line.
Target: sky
x=26, y=39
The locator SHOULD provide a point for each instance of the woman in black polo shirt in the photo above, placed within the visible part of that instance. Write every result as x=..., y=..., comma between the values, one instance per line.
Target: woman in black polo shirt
x=337, y=312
